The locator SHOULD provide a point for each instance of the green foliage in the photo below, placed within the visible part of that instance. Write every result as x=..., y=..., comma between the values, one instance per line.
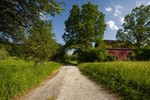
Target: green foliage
x=13, y=49
x=140, y=55
x=16, y=17
x=136, y=28
x=84, y=28
x=18, y=76
x=74, y=57
x=18, y=51
x=92, y=55
x=130, y=79
x=7, y=46
x=25, y=29
x=117, y=44
x=71, y=59
x=3, y=54
x=40, y=42
x=143, y=54
x=72, y=26
x=111, y=57
x=60, y=55
x=67, y=58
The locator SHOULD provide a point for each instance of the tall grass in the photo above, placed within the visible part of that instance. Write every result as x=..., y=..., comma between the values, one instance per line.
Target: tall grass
x=130, y=79
x=17, y=76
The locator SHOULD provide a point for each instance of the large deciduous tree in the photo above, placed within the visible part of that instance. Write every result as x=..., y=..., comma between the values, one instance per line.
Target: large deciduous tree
x=24, y=25
x=85, y=28
x=41, y=43
x=73, y=24
x=136, y=27
x=17, y=16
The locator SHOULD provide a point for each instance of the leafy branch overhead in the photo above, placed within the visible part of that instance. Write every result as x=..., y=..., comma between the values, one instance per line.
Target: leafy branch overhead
x=17, y=16
x=136, y=28
x=23, y=27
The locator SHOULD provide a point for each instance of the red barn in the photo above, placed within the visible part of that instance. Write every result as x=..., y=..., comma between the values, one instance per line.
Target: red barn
x=118, y=49
x=120, y=54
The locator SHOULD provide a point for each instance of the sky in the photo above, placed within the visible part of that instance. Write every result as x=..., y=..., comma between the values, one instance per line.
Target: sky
x=114, y=10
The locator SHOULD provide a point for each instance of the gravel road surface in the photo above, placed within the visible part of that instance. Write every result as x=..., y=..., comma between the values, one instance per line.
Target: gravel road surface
x=69, y=84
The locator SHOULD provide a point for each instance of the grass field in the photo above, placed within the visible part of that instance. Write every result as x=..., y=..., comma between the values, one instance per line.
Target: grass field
x=17, y=76
x=130, y=79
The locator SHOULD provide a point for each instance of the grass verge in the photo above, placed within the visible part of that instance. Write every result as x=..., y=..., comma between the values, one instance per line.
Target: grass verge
x=18, y=76
x=130, y=79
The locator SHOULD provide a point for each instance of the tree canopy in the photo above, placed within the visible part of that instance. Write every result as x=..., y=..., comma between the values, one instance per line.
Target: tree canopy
x=136, y=27
x=41, y=43
x=24, y=29
x=17, y=16
x=84, y=28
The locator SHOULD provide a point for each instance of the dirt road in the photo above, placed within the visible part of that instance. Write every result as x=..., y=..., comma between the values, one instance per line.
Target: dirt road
x=69, y=84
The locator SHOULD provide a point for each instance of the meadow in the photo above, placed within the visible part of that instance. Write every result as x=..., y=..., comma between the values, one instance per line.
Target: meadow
x=131, y=80
x=18, y=76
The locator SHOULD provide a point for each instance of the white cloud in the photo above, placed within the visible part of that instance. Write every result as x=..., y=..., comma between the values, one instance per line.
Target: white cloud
x=108, y=9
x=118, y=10
x=111, y=25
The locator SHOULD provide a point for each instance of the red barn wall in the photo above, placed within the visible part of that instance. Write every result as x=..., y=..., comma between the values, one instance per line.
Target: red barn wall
x=120, y=54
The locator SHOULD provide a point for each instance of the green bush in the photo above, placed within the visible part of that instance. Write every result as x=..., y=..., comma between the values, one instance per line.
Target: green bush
x=143, y=54
x=3, y=54
x=92, y=55
x=110, y=57
x=74, y=57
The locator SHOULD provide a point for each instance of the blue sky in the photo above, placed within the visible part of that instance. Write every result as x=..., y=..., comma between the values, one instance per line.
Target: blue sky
x=114, y=10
